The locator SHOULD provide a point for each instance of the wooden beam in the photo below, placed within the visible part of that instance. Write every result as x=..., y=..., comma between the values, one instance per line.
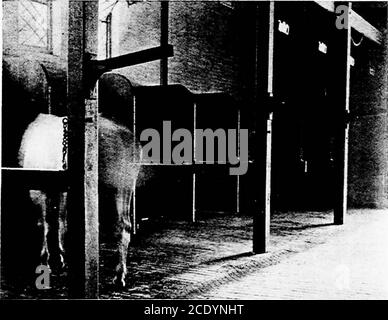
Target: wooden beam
x=82, y=156
x=356, y=22
x=364, y=27
x=164, y=41
x=134, y=131
x=91, y=199
x=328, y=5
x=238, y=181
x=341, y=67
x=76, y=136
x=1, y=175
x=38, y=179
x=134, y=58
x=92, y=253
x=194, y=175
x=261, y=170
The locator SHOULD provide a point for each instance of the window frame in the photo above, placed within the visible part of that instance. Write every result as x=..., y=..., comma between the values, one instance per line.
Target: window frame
x=49, y=47
x=108, y=36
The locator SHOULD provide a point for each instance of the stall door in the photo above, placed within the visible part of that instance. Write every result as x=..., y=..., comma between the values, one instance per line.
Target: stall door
x=302, y=126
x=164, y=190
x=216, y=190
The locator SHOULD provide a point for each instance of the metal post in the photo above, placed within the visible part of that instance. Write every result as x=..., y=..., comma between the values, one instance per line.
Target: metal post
x=83, y=157
x=341, y=60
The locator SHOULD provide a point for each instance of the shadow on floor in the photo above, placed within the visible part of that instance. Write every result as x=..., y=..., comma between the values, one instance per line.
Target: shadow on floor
x=310, y=226
x=228, y=258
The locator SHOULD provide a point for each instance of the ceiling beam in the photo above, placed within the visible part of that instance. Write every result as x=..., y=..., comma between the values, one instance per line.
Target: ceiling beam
x=357, y=22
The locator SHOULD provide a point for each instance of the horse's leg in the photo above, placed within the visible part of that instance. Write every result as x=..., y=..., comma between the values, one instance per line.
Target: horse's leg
x=62, y=226
x=40, y=199
x=123, y=230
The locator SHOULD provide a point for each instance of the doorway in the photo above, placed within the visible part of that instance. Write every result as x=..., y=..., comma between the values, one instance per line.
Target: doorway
x=303, y=130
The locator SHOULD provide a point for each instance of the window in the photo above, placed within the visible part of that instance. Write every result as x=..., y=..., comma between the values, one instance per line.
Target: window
x=108, y=36
x=35, y=23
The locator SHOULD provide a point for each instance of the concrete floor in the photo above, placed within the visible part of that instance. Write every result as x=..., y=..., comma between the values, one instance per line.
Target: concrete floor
x=308, y=258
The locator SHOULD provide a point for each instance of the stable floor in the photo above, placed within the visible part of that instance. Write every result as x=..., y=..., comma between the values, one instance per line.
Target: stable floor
x=308, y=258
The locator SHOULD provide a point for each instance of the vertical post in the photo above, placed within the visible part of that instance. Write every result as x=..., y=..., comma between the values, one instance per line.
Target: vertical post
x=264, y=85
x=83, y=147
x=108, y=35
x=193, y=216
x=341, y=61
x=91, y=197
x=164, y=41
x=134, y=213
x=91, y=155
x=238, y=148
x=1, y=171
x=50, y=27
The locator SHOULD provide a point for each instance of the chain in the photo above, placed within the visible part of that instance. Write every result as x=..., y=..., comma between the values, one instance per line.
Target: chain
x=65, y=142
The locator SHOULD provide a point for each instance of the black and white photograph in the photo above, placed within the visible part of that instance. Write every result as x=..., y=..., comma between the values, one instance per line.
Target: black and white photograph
x=177, y=151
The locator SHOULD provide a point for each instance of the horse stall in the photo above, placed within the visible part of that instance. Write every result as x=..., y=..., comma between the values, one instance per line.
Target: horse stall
x=169, y=184
x=303, y=132
x=194, y=216
x=188, y=192
x=189, y=215
x=194, y=188
x=216, y=190
x=314, y=111
x=30, y=87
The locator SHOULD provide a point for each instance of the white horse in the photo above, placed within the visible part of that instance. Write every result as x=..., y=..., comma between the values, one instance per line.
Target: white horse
x=119, y=159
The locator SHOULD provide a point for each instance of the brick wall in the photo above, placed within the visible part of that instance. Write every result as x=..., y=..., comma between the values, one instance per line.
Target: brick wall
x=138, y=28
x=368, y=165
x=212, y=49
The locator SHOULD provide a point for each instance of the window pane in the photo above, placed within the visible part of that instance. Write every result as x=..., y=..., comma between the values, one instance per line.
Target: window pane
x=33, y=23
